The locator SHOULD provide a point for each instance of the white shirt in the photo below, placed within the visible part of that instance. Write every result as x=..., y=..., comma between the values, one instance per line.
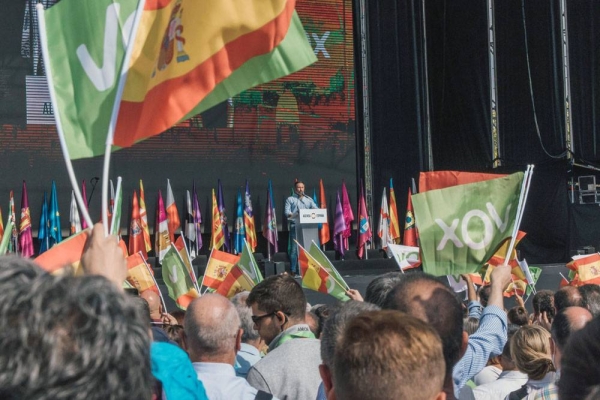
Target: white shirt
x=507, y=382
x=221, y=383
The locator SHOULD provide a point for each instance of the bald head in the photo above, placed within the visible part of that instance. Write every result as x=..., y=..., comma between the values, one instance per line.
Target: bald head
x=567, y=321
x=212, y=328
x=424, y=297
x=154, y=303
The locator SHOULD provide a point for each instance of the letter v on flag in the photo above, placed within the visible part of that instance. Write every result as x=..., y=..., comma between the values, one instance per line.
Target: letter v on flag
x=462, y=226
x=187, y=56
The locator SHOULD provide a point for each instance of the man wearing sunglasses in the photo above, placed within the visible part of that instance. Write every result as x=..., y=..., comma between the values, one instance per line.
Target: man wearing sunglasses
x=290, y=370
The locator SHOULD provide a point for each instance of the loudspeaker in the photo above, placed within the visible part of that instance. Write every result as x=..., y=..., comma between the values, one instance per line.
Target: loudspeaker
x=274, y=268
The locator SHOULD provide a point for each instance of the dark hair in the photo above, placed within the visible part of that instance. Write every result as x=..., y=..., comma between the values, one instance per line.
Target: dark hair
x=543, y=301
x=441, y=309
x=580, y=370
x=279, y=293
x=66, y=337
x=484, y=295
x=378, y=288
x=567, y=296
x=518, y=316
x=591, y=298
x=322, y=313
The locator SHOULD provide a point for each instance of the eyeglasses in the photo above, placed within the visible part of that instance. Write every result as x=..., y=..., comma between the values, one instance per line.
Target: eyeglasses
x=257, y=318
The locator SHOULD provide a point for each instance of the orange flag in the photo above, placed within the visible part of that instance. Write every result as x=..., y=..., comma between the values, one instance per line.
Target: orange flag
x=324, y=235
x=136, y=233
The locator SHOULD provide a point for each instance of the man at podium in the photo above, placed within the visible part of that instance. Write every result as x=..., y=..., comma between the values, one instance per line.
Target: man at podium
x=298, y=201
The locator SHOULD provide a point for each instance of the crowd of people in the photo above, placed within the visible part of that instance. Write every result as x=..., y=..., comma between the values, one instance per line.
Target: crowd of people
x=83, y=337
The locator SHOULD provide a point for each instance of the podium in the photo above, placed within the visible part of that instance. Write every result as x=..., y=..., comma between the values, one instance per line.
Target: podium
x=307, y=225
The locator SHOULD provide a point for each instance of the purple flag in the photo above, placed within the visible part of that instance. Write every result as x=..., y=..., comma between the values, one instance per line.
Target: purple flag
x=223, y=217
x=25, y=238
x=84, y=195
x=348, y=215
x=270, y=224
x=197, y=217
x=339, y=227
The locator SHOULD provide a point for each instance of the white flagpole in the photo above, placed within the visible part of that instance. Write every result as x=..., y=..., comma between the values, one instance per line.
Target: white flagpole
x=59, y=127
x=115, y=112
x=520, y=209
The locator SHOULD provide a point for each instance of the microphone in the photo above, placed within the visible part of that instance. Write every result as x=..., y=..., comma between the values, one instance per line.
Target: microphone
x=93, y=182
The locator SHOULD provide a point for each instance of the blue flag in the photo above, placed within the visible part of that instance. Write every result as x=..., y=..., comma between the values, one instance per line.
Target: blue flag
x=55, y=233
x=43, y=230
x=240, y=230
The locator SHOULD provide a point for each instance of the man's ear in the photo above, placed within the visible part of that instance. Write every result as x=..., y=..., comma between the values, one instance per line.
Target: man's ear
x=281, y=318
x=465, y=342
x=327, y=381
x=441, y=396
x=238, y=340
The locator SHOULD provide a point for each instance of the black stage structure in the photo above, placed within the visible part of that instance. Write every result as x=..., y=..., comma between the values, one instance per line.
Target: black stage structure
x=433, y=84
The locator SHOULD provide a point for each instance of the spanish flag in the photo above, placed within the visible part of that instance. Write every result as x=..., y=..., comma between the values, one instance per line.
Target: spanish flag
x=64, y=254
x=217, y=238
x=139, y=274
x=235, y=282
x=218, y=266
x=316, y=278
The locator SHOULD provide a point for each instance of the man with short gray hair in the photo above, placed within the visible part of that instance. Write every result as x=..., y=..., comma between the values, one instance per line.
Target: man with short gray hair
x=212, y=328
x=249, y=353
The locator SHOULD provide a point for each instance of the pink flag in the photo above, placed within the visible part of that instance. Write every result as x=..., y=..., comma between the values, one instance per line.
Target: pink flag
x=25, y=238
x=162, y=241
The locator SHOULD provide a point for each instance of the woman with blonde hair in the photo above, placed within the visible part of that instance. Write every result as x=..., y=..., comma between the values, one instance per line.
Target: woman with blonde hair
x=531, y=352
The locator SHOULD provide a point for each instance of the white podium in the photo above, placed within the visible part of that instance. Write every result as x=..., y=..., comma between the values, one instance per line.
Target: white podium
x=307, y=225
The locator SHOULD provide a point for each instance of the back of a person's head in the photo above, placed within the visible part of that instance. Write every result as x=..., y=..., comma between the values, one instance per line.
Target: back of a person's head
x=543, y=301
x=388, y=355
x=566, y=322
x=211, y=325
x=245, y=314
x=66, y=337
x=470, y=325
x=518, y=316
x=484, y=295
x=378, y=288
x=580, y=369
x=530, y=351
x=591, y=298
x=423, y=296
x=279, y=293
x=322, y=312
x=567, y=296
x=335, y=324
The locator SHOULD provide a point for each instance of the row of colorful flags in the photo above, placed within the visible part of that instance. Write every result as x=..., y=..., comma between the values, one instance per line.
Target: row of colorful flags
x=168, y=221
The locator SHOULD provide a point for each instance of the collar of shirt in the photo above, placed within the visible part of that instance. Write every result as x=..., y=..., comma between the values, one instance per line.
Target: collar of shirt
x=214, y=368
x=248, y=348
x=300, y=331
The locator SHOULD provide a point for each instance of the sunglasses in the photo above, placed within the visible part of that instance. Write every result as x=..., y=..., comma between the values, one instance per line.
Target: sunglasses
x=257, y=318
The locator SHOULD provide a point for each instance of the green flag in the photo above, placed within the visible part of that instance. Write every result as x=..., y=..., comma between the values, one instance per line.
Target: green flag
x=248, y=264
x=535, y=274
x=177, y=279
x=316, y=278
x=6, y=237
x=460, y=227
x=322, y=259
x=86, y=55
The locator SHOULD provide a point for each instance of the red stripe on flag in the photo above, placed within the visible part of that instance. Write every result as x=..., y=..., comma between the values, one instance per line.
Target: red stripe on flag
x=138, y=120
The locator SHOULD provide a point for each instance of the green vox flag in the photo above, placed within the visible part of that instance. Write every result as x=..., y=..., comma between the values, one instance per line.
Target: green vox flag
x=535, y=274
x=322, y=259
x=461, y=227
x=177, y=279
x=248, y=264
x=86, y=52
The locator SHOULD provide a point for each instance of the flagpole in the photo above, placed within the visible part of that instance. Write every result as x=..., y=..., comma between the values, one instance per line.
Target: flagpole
x=154, y=280
x=195, y=280
x=59, y=127
x=520, y=208
x=115, y=113
x=204, y=276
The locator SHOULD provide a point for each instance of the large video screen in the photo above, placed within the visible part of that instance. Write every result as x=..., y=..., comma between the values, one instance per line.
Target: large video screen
x=301, y=126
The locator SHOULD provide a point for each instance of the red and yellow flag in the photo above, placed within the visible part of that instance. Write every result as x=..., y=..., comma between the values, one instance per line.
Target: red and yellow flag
x=500, y=254
x=410, y=229
x=66, y=253
x=219, y=265
x=235, y=282
x=139, y=274
x=324, y=235
x=587, y=268
x=172, y=213
x=144, y=219
x=393, y=209
x=188, y=48
x=217, y=238
x=136, y=235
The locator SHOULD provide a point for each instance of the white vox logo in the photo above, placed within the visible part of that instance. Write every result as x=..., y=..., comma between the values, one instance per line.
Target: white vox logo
x=488, y=228
x=104, y=77
x=320, y=43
